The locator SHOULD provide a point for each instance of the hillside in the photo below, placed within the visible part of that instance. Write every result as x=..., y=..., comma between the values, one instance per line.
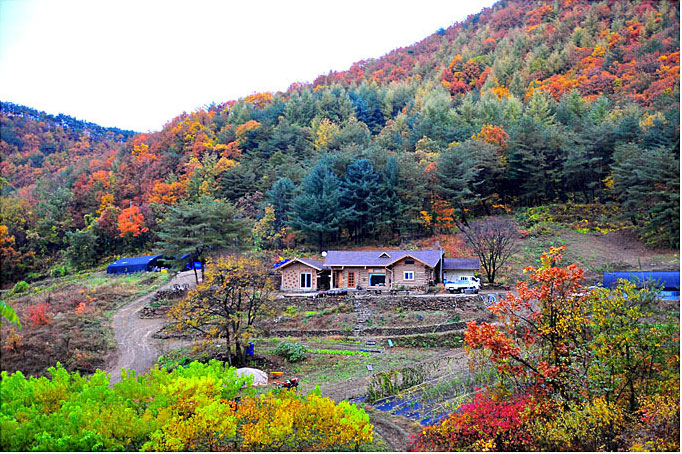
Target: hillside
x=523, y=104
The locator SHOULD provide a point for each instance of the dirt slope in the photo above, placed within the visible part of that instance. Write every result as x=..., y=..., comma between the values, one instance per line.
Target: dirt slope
x=136, y=349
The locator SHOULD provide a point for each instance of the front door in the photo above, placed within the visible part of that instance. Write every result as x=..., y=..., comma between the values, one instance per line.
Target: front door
x=338, y=279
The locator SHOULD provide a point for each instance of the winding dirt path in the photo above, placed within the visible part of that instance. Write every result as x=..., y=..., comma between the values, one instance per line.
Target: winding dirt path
x=136, y=349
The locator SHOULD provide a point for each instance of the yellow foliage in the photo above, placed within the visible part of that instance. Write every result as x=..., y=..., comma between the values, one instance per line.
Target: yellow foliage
x=581, y=426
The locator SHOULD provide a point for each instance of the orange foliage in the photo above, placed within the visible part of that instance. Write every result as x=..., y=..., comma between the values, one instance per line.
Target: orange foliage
x=250, y=125
x=494, y=135
x=535, y=16
x=131, y=221
x=500, y=91
x=443, y=220
x=556, y=85
x=167, y=193
x=259, y=100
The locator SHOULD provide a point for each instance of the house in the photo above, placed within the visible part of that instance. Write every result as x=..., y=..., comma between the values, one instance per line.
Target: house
x=303, y=275
x=454, y=268
x=133, y=264
x=373, y=270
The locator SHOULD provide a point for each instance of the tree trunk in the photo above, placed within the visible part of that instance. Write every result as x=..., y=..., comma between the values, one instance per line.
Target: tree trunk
x=196, y=276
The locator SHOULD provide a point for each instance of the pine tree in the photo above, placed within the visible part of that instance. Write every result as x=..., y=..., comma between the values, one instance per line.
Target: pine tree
x=468, y=175
x=361, y=197
x=195, y=228
x=280, y=197
x=316, y=209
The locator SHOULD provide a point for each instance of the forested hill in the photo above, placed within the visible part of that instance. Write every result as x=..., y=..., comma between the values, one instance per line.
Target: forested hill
x=525, y=103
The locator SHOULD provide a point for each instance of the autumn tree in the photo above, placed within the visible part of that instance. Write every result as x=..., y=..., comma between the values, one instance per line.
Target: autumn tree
x=493, y=242
x=195, y=228
x=235, y=293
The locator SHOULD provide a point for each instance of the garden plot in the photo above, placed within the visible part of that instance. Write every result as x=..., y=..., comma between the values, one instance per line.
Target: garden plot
x=431, y=400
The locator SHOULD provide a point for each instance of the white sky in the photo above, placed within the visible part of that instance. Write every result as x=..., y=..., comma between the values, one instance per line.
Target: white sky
x=137, y=64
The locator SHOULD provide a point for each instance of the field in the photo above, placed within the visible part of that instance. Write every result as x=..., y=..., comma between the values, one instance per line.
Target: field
x=68, y=320
x=400, y=357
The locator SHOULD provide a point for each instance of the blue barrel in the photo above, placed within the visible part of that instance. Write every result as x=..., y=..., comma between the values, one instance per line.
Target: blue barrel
x=250, y=349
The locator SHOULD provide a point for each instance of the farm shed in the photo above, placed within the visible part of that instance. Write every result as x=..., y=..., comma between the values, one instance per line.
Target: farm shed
x=456, y=267
x=133, y=264
x=668, y=280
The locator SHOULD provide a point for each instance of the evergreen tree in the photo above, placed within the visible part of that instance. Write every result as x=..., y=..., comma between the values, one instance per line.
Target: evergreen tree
x=195, y=228
x=280, y=197
x=390, y=209
x=361, y=198
x=316, y=209
x=468, y=175
x=237, y=181
x=647, y=182
x=82, y=250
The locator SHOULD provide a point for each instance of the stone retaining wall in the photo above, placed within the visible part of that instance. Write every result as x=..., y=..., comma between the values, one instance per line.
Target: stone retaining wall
x=396, y=331
x=405, y=302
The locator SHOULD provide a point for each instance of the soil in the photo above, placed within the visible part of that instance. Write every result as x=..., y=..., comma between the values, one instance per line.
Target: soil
x=595, y=253
x=136, y=349
x=394, y=429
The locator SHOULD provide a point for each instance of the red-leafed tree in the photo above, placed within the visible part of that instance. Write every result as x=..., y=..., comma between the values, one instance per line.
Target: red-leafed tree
x=131, y=222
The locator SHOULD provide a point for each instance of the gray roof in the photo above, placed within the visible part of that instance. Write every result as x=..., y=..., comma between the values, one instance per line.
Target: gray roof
x=314, y=263
x=462, y=264
x=310, y=262
x=379, y=257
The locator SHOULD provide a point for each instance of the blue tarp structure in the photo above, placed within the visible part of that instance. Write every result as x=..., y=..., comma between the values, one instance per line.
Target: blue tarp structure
x=133, y=264
x=669, y=280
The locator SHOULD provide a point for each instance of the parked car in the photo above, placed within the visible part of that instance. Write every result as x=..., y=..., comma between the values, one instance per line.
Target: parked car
x=462, y=284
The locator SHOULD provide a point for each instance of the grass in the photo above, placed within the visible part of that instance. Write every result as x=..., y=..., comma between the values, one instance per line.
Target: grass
x=77, y=330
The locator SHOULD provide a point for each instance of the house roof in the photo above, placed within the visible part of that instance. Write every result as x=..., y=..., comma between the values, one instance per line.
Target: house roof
x=382, y=257
x=470, y=263
x=144, y=260
x=317, y=264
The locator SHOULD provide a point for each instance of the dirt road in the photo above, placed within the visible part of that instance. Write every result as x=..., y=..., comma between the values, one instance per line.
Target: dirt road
x=136, y=349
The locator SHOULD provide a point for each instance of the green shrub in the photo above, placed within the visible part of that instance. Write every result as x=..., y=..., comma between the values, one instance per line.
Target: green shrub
x=291, y=351
x=58, y=271
x=19, y=287
x=541, y=228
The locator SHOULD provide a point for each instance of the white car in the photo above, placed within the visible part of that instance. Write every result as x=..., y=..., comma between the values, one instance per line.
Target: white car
x=463, y=283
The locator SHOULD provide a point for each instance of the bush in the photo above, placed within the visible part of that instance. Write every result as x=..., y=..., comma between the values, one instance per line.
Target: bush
x=58, y=271
x=541, y=228
x=291, y=351
x=19, y=287
x=201, y=407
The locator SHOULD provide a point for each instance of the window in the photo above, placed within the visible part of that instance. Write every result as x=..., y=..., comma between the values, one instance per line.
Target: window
x=306, y=280
x=408, y=275
x=409, y=262
x=376, y=280
x=351, y=279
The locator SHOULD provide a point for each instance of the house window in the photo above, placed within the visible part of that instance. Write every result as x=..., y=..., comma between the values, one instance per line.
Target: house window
x=376, y=280
x=408, y=275
x=351, y=279
x=409, y=262
x=306, y=280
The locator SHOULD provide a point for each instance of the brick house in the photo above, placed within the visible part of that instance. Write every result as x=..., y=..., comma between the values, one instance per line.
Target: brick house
x=304, y=275
x=373, y=270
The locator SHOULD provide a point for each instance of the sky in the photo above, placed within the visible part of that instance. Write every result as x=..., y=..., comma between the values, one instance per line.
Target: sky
x=138, y=64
